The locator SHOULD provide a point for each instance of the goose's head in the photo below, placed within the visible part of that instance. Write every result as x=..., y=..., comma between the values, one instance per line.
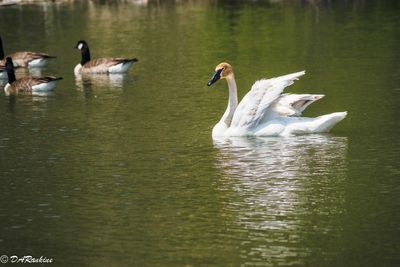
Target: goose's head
x=81, y=44
x=9, y=64
x=10, y=70
x=84, y=48
x=222, y=71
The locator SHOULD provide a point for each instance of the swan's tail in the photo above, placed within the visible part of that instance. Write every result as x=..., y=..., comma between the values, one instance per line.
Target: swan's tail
x=326, y=122
x=319, y=124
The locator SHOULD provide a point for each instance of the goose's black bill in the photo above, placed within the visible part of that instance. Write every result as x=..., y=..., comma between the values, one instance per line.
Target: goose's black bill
x=215, y=77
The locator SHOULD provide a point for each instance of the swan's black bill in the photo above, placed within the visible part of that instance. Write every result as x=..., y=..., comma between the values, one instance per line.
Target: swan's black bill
x=215, y=77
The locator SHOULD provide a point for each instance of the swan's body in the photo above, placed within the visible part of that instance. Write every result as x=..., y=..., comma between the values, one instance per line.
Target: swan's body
x=100, y=65
x=265, y=111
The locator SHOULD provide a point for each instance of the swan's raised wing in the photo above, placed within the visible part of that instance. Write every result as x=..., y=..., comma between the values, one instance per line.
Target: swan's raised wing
x=293, y=104
x=262, y=94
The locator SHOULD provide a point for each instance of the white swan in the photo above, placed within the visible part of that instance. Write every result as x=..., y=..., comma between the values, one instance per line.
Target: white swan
x=265, y=111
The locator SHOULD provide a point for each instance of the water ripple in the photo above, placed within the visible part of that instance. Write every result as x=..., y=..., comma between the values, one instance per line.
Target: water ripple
x=277, y=185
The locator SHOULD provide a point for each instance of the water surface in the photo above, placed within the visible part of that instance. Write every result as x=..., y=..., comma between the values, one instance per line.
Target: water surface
x=121, y=170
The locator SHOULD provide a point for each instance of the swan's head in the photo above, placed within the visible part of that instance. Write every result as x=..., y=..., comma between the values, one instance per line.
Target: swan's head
x=222, y=71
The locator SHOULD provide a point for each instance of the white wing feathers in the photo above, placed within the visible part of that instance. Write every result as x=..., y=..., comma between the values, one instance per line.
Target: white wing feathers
x=293, y=104
x=263, y=93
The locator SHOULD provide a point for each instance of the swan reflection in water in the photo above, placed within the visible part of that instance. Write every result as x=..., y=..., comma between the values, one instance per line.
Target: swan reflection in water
x=280, y=191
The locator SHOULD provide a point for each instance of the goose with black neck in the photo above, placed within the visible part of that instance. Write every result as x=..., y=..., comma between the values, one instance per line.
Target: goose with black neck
x=27, y=84
x=100, y=65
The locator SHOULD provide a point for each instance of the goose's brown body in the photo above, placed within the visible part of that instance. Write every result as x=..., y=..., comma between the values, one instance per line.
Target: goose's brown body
x=103, y=65
x=27, y=84
x=23, y=59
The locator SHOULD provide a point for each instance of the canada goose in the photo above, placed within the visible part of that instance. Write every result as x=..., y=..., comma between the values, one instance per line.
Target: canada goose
x=27, y=84
x=265, y=111
x=100, y=65
x=9, y=2
x=25, y=59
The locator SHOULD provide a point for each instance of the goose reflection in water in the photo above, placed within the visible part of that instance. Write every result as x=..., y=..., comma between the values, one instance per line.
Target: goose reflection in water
x=112, y=81
x=33, y=71
x=281, y=191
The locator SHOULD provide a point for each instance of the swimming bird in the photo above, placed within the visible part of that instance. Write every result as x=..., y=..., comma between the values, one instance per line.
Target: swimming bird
x=265, y=111
x=100, y=65
x=27, y=84
x=25, y=59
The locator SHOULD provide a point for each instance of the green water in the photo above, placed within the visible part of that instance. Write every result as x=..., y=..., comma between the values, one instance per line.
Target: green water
x=122, y=170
